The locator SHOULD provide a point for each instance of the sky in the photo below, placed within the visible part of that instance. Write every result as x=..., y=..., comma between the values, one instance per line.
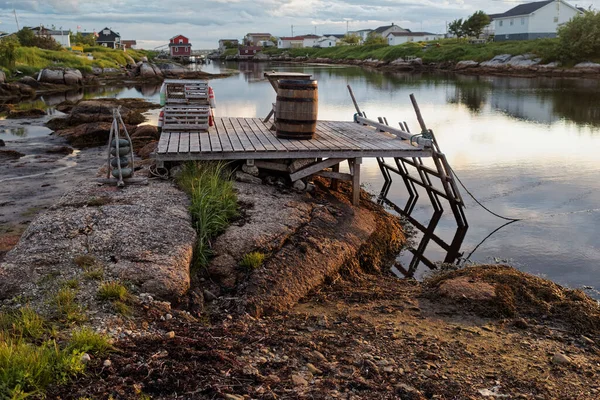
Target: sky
x=153, y=22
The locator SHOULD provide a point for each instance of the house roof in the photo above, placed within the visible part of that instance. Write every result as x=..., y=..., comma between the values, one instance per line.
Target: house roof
x=88, y=33
x=258, y=34
x=228, y=40
x=382, y=29
x=111, y=37
x=129, y=41
x=337, y=35
x=363, y=30
x=411, y=33
x=301, y=37
x=493, y=16
x=524, y=9
x=176, y=36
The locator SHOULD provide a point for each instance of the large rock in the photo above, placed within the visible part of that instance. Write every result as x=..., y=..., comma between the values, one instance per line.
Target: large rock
x=143, y=135
x=157, y=70
x=142, y=235
x=56, y=77
x=87, y=111
x=146, y=71
x=15, y=90
x=73, y=77
x=466, y=64
x=92, y=134
x=523, y=61
x=497, y=61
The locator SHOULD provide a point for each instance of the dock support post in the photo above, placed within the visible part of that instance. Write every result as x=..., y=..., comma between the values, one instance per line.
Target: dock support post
x=335, y=182
x=356, y=181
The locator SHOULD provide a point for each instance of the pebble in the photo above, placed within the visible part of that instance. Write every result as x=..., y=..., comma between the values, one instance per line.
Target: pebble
x=299, y=381
x=107, y=363
x=233, y=397
x=299, y=185
x=313, y=370
x=170, y=335
x=208, y=296
x=168, y=317
x=85, y=358
x=559, y=358
x=319, y=356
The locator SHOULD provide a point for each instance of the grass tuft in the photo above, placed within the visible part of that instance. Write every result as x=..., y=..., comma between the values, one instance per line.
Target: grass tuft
x=66, y=305
x=85, y=340
x=113, y=291
x=25, y=323
x=214, y=203
x=253, y=260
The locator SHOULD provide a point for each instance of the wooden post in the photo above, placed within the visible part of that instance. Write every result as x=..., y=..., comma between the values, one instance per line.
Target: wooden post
x=356, y=181
x=335, y=182
x=354, y=101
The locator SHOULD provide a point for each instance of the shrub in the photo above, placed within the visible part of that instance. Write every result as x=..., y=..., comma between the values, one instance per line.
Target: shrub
x=85, y=340
x=214, y=203
x=253, y=260
x=580, y=38
x=113, y=291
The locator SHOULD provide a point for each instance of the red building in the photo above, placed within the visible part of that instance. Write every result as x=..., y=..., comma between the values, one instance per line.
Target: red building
x=248, y=51
x=180, y=46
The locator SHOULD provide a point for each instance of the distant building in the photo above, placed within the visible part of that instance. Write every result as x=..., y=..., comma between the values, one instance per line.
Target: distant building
x=109, y=38
x=385, y=30
x=290, y=42
x=255, y=39
x=536, y=20
x=363, y=34
x=223, y=42
x=396, y=38
x=61, y=37
x=248, y=51
x=129, y=44
x=310, y=40
x=329, y=40
x=180, y=47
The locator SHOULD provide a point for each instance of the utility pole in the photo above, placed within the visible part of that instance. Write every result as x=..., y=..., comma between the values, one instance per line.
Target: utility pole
x=292, y=30
x=16, y=19
x=347, y=27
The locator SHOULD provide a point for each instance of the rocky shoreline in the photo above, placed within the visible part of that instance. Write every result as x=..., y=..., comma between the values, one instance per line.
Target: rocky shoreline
x=526, y=65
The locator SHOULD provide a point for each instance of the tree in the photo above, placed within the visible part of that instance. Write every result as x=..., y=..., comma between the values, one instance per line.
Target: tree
x=475, y=24
x=375, y=38
x=456, y=28
x=579, y=39
x=8, y=51
x=26, y=37
x=351, y=38
x=84, y=40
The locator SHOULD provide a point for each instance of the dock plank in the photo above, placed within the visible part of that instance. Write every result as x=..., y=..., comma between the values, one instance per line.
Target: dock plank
x=241, y=122
x=231, y=134
x=215, y=142
x=267, y=134
x=184, y=142
x=194, y=142
x=204, y=142
x=260, y=135
x=226, y=144
x=163, y=142
x=173, y=143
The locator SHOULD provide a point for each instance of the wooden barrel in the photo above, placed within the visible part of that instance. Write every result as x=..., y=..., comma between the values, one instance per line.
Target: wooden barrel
x=296, y=109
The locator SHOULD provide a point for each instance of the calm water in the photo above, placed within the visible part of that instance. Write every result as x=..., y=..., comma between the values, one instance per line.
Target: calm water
x=526, y=148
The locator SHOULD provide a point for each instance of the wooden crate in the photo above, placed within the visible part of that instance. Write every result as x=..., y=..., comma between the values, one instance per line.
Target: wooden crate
x=186, y=117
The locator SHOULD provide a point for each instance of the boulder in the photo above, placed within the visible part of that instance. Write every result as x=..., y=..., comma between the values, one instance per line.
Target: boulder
x=554, y=64
x=497, y=61
x=523, y=61
x=144, y=59
x=73, y=77
x=88, y=135
x=466, y=64
x=171, y=69
x=261, y=57
x=56, y=77
x=157, y=70
x=29, y=81
x=2, y=77
x=100, y=111
x=16, y=90
x=96, y=70
x=146, y=131
x=146, y=71
x=587, y=65
x=141, y=235
x=148, y=149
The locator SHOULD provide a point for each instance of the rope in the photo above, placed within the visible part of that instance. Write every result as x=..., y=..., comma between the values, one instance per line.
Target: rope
x=478, y=202
x=425, y=134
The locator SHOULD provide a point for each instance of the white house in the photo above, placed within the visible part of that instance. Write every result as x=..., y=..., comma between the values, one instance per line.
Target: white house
x=363, y=34
x=310, y=40
x=61, y=37
x=536, y=20
x=396, y=38
x=384, y=31
x=290, y=42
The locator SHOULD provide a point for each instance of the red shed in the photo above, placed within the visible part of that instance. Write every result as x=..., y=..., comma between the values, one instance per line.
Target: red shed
x=180, y=46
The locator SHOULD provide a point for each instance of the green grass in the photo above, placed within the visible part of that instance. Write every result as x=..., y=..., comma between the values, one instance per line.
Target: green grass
x=448, y=50
x=29, y=60
x=66, y=304
x=85, y=340
x=252, y=260
x=113, y=291
x=214, y=203
x=23, y=323
x=92, y=268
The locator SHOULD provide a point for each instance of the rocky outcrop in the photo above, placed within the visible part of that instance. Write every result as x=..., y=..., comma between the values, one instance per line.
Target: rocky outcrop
x=15, y=91
x=140, y=234
x=69, y=77
x=466, y=64
x=143, y=135
x=92, y=134
x=101, y=110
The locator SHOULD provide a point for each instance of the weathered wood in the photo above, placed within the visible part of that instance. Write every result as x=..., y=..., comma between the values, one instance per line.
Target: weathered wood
x=335, y=176
x=354, y=101
x=271, y=165
x=184, y=142
x=296, y=109
x=398, y=132
x=356, y=181
x=334, y=181
x=316, y=167
x=194, y=142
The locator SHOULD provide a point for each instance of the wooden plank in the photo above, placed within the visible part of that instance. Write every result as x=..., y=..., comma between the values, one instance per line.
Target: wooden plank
x=163, y=142
x=316, y=167
x=341, y=141
x=356, y=181
x=231, y=134
x=290, y=145
x=258, y=144
x=215, y=142
x=184, y=142
x=224, y=137
x=194, y=142
x=173, y=143
x=204, y=142
x=260, y=126
x=271, y=166
x=368, y=137
x=260, y=135
x=335, y=175
x=363, y=144
x=242, y=136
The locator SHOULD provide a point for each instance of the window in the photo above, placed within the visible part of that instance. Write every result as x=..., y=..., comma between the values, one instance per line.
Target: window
x=176, y=50
x=106, y=32
x=512, y=22
x=501, y=22
x=180, y=41
x=522, y=21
